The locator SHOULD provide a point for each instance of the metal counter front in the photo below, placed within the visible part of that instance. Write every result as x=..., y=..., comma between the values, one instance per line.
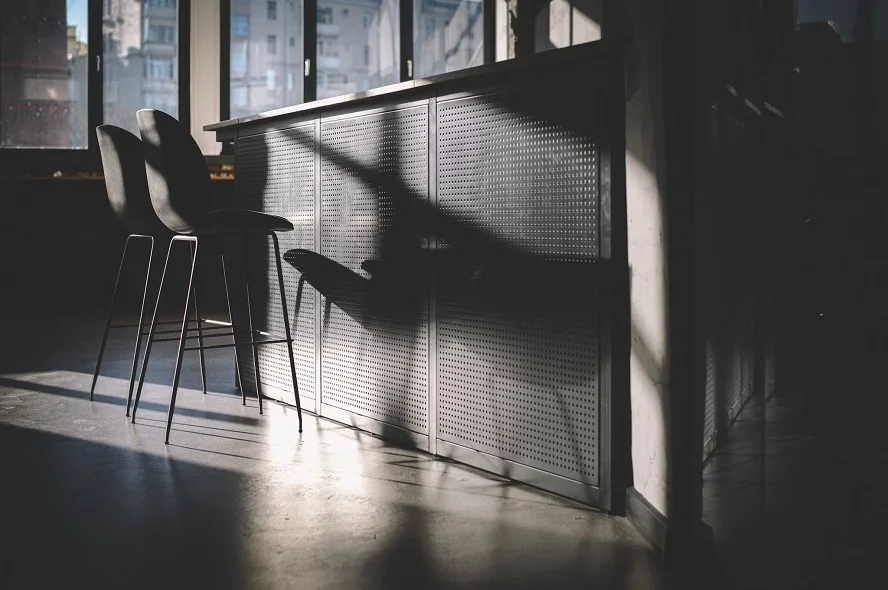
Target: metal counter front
x=454, y=273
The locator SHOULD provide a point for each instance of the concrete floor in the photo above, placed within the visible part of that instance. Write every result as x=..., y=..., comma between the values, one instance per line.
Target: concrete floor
x=794, y=493
x=239, y=500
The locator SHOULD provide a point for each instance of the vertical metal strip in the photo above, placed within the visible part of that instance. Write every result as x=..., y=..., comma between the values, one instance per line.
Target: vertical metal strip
x=318, y=307
x=432, y=127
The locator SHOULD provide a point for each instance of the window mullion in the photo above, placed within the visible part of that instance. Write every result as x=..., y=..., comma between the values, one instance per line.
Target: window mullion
x=95, y=76
x=310, y=49
x=405, y=14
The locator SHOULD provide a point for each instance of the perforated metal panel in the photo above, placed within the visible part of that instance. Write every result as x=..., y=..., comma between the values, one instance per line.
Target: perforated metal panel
x=375, y=365
x=275, y=174
x=521, y=382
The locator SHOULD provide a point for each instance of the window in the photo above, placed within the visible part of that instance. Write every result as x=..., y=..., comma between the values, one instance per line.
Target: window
x=264, y=72
x=373, y=55
x=456, y=45
x=159, y=68
x=145, y=74
x=239, y=59
x=327, y=47
x=239, y=97
x=161, y=33
x=44, y=96
x=240, y=25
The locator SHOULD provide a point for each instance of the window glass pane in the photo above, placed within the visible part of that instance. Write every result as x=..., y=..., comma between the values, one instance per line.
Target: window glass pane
x=141, y=59
x=266, y=73
x=43, y=76
x=448, y=35
x=358, y=46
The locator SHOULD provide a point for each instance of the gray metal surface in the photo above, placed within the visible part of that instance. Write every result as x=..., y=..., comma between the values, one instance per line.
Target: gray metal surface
x=374, y=361
x=520, y=382
x=275, y=174
x=515, y=380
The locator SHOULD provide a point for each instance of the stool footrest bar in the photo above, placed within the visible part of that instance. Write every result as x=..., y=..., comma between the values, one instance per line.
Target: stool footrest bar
x=229, y=345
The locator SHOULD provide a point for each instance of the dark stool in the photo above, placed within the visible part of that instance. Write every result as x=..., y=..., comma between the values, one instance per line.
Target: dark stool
x=180, y=190
x=123, y=164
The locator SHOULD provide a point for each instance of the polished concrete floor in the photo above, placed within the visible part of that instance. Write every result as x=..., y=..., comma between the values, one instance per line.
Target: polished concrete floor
x=239, y=500
x=795, y=491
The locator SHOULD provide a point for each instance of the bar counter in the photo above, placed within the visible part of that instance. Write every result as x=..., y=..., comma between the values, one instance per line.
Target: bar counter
x=456, y=275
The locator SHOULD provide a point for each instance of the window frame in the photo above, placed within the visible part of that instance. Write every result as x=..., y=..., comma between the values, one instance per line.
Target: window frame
x=40, y=162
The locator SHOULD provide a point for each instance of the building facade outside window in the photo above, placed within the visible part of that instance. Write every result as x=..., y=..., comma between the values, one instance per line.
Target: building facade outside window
x=358, y=45
x=161, y=33
x=240, y=25
x=140, y=60
x=43, y=79
x=266, y=56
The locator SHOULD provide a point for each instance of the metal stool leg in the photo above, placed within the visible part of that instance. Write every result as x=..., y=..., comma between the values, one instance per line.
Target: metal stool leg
x=250, y=318
x=237, y=369
x=132, y=383
x=151, y=332
x=178, y=371
x=199, y=320
x=110, y=316
x=277, y=259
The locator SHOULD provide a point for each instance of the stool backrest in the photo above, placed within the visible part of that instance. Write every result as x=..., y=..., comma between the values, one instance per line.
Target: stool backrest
x=123, y=164
x=178, y=178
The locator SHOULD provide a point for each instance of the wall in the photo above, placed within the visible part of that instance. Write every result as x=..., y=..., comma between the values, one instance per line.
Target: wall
x=205, y=73
x=649, y=383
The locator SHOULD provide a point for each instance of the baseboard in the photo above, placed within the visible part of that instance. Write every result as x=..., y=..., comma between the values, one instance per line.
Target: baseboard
x=646, y=519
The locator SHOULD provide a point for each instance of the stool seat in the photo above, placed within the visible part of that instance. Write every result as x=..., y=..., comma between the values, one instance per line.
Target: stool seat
x=246, y=221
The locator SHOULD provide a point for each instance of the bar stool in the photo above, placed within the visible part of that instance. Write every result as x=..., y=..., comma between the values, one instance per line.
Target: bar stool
x=126, y=183
x=180, y=189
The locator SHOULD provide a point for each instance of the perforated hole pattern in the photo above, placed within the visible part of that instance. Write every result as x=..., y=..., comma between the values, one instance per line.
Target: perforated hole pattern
x=379, y=369
x=277, y=172
x=520, y=385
